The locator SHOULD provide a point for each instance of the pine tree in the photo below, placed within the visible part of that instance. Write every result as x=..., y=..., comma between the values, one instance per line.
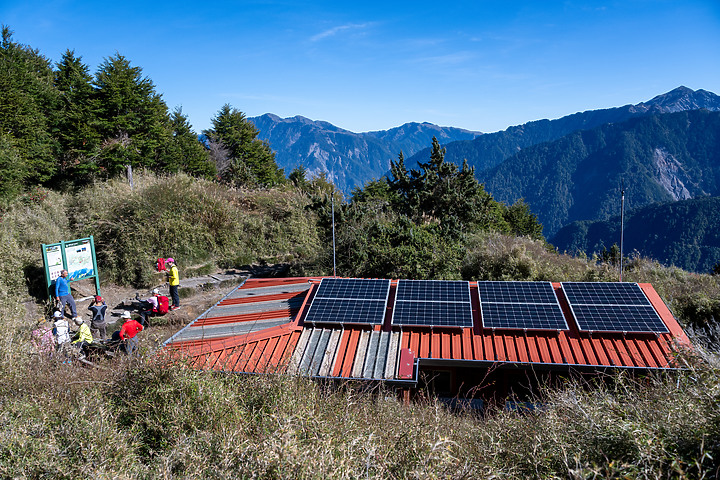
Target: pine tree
x=185, y=151
x=76, y=119
x=241, y=157
x=133, y=119
x=26, y=96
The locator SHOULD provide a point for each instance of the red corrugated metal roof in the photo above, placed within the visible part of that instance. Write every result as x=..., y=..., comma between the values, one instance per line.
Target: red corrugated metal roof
x=358, y=352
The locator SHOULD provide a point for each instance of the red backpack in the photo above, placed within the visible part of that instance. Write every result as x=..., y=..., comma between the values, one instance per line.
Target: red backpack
x=163, y=305
x=160, y=264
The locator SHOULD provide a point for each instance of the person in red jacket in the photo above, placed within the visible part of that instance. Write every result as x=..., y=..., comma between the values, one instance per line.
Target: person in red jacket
x=128, y=333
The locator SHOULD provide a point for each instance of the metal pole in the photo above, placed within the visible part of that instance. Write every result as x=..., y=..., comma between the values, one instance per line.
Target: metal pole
x=332, y=202
x=622, y=225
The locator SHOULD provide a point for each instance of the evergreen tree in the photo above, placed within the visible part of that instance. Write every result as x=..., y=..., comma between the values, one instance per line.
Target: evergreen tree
x=75, y=118
x=241, y=157
x=26, y=96
x=185, y=151
x=132, y=118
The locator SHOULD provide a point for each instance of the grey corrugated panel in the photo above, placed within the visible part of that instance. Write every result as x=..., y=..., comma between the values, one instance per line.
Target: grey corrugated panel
x=319, y=353
x=392, y=357
x=299, y=352
x=310, y=351
x=274, y=290
x=226, y=330
x=371, y=355
x=359, y=361
x=331, y=354
x=255, y=307
x=382, y=354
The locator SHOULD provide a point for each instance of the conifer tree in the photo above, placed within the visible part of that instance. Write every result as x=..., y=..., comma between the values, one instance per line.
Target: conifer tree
x=26, y=96
x=185, y=151
x=132, y=118
x=75, y=118
x=247, y=160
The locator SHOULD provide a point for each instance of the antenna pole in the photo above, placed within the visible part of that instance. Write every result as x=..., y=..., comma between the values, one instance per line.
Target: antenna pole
x=622, y=225
x=332, y=203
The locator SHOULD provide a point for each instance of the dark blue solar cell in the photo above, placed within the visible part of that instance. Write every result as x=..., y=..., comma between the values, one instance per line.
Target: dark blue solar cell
x=604, y=293
x=516, y=292
x=618, y=318
x=520, y=305
x=334, y=310
x=432, y=314
x=433, y=290
x=354, y=288
x=523, y=316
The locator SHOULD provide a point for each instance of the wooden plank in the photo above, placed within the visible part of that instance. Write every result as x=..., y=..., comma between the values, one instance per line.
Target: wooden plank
x=371, y=354
x=382, y=354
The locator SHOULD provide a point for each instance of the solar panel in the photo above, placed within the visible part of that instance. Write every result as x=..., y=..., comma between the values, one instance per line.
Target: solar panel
x=520, y=305
x=349, y=300
x=432, y=303
x=612, y=307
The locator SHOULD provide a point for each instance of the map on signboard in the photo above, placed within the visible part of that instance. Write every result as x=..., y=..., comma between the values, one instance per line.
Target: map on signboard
x=79, y=260
x=54, y=260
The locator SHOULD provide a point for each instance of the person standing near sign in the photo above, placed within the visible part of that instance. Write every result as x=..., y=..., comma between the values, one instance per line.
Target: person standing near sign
x=97, y=324
x=63, y=295
x=174, y=282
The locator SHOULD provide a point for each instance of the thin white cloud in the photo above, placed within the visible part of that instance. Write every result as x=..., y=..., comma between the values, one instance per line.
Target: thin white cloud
x=339, y=29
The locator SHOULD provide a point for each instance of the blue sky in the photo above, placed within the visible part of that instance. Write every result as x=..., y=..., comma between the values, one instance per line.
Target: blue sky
x=368, y=65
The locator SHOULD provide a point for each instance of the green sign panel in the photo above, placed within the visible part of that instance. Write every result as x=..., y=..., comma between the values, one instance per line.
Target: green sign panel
x=75, y=256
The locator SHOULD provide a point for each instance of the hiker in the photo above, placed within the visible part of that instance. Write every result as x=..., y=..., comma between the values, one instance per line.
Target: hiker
x=98, y=326
x=174, y=281
x=63, y=295
x=61, y=330
x=83, y=338
x=157, y=304
x=128, y=333
x=43, y=338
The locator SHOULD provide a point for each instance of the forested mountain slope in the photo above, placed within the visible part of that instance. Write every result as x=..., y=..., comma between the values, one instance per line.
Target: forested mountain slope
x=685, y=233
x=659, y=158
x=349, y=159
x=491, y=149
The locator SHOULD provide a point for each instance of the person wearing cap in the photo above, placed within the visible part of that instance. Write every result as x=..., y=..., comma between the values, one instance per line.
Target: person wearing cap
x=128, y=333
x=98, y=326
x=61, y=330
x=83, y=337
x=174, y=281
x=63, y=295
x=157, y=304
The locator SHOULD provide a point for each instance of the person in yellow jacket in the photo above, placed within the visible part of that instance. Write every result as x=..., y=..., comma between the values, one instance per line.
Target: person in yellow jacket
x=174, y=281
x=83, y=337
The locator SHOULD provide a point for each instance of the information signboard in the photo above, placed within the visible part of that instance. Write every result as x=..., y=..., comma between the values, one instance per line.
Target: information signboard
x=75, y=256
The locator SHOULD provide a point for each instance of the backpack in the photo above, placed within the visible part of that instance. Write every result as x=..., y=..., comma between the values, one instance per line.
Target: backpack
x=163, y=305
x=160, y=264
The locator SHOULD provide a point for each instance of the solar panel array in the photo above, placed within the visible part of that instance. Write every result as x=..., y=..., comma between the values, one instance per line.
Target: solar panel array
x=612, y=307
x=520, y=305
x=349, y=300
x=433, y=303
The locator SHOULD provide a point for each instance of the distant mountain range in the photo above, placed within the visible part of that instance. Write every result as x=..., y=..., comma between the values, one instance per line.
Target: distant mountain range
x=349, y=159
x=660, y=158
x=567, y=170
x=491, y=149
x=685, y=233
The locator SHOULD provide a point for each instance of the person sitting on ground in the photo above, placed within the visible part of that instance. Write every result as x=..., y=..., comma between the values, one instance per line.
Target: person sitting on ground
x=157, y=304
x=43, y=338
x=61, y=331
x=128, y=333
x=63, y=295
x=174, y=281
x=83, y=337
x=98, y=326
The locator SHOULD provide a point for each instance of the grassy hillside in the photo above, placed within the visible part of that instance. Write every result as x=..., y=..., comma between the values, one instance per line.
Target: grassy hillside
x=147, y=418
